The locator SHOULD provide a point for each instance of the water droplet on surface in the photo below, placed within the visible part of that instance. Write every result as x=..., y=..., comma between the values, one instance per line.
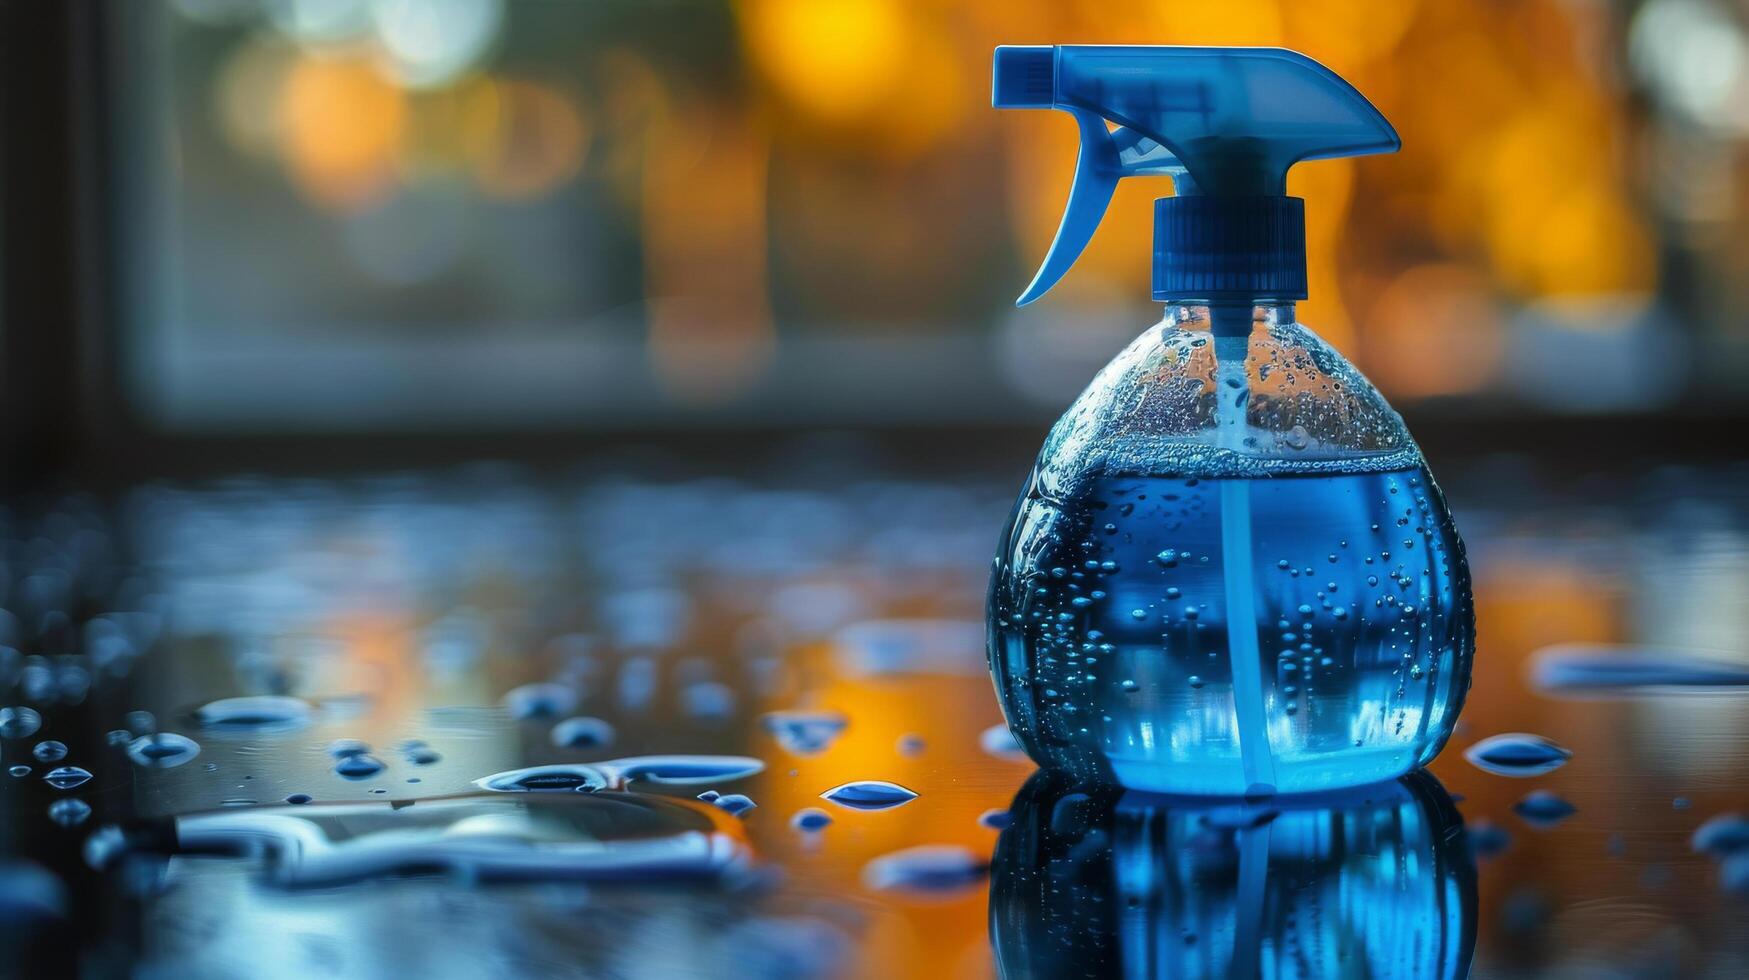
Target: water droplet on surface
x=998, y=741
x=911, y=745
x=1517, y=754
x=67, y=777
x=734, y=804
x=359, y=766
x=31, y=894
x=1580, y=668
x=804, y=732
x=1487, y=838
x=681, y=770
x=708, y=699
x=19, y=770
x=1734, y=874
x=928, y=868
x=1543, y=809
x=542, y=700
x=995, y=819
x=141, y=722
x=710, y=796
x=1726, y=833
x=19, y=721
x=582, y=733
x=810, y=819
x=424, y=755
x=119, y=736
x=298, y=799
x=869, y=794
x=636, y=683
x=49, y=750
x=69, y=812
x=255, y=713
x=164, y=750
x=342, y=748
x=562, y=778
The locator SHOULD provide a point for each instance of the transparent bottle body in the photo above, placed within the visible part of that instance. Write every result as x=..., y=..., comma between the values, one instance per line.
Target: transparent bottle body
x=1231, y=571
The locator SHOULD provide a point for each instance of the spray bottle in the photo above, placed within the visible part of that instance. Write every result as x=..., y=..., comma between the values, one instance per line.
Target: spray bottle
x=1230, y=572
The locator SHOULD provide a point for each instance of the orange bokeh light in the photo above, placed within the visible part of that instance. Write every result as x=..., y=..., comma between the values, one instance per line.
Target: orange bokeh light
x=342, y=125
x=536, y=141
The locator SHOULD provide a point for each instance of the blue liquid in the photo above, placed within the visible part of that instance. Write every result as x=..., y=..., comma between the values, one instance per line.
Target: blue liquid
x=1110, y=643
x=1102, y=883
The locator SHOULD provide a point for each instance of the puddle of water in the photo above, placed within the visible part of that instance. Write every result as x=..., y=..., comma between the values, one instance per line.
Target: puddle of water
x=931, y=868
x=596, y=837
x=681, y=770
x=1603, y=670
x=557, y=778
x=576, y=777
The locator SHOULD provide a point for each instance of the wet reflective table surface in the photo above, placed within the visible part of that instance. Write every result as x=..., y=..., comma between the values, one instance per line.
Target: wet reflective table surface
x=622, y=723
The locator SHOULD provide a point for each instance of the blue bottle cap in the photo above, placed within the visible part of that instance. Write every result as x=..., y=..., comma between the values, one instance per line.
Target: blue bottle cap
x=1230, y=249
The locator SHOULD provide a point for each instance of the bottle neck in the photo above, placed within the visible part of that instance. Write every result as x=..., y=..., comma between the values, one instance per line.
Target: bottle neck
x=1228, y=319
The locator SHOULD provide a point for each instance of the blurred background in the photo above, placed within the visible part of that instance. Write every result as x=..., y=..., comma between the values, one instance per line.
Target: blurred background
x=722, y=293
x=354, y=217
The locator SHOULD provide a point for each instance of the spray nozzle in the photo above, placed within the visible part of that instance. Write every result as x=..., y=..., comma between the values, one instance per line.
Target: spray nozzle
x=1224, y=123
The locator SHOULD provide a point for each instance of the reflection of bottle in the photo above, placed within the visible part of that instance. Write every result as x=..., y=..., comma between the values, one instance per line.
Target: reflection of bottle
x=1373, y=882
x=1230, y=570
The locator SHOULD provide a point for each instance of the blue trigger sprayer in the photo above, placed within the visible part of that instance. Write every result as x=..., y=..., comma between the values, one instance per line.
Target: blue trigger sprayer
x=1230, y=571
